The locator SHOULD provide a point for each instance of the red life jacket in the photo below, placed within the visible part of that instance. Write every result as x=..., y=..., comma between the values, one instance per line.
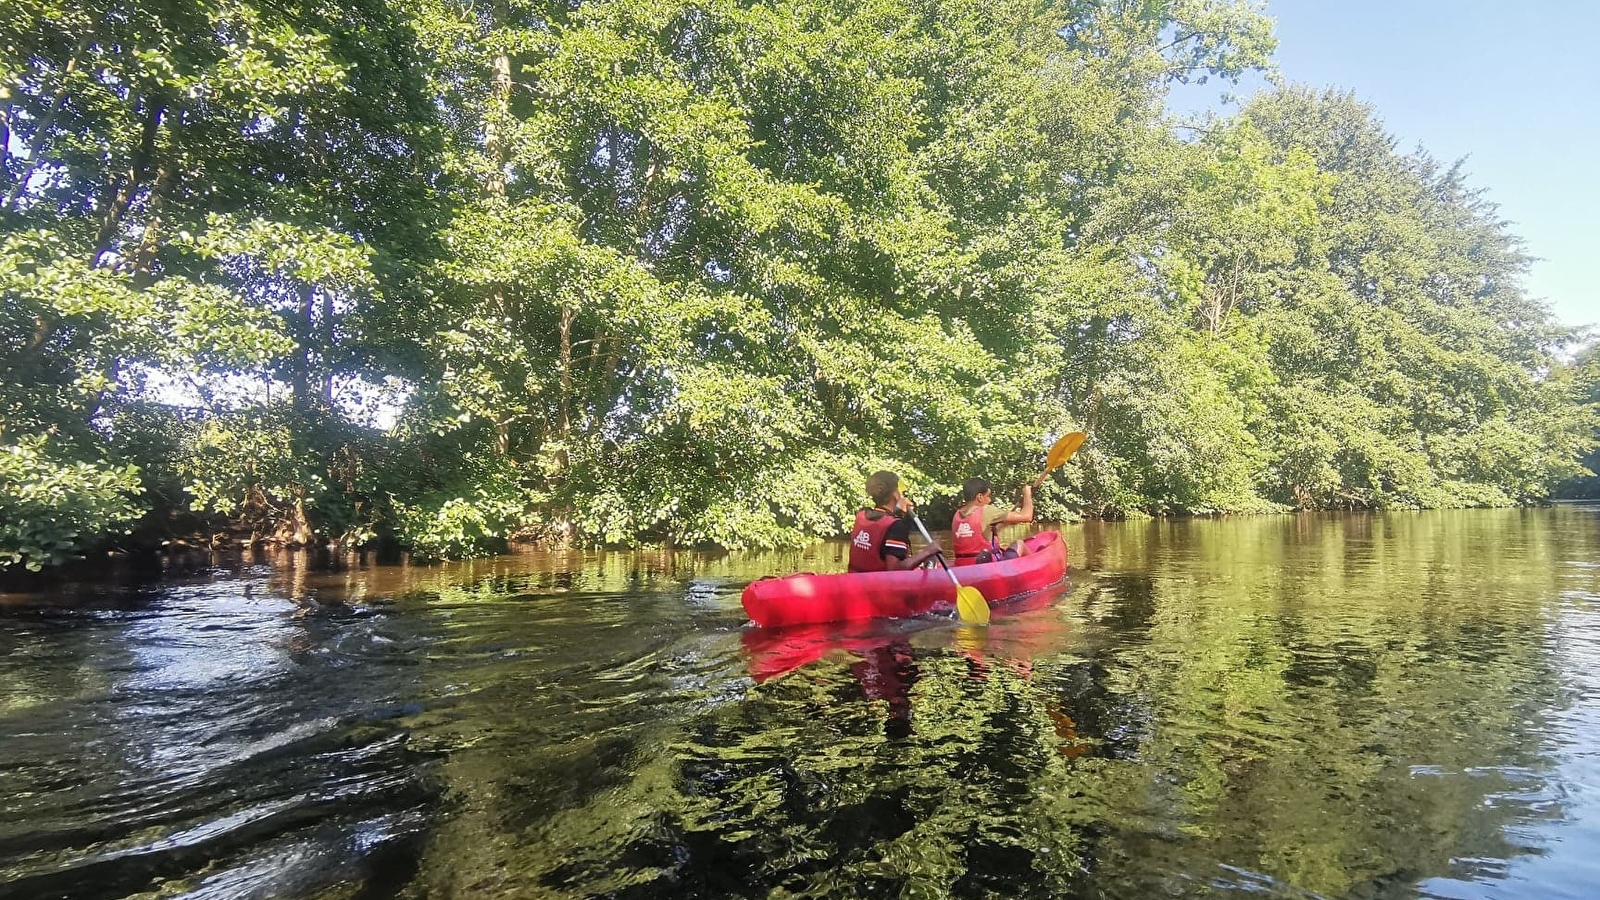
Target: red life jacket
x=968, y=533
x=866, y=542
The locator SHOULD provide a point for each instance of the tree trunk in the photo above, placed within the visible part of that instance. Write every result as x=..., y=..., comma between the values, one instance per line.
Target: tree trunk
x=613, y=357
x=567, y=315
x=494, y=144
x=595, y=344
x=36, y=146
x=5, y=141
x=295, y=530
x=144, y=257
x=138, y=168
x=326, y=369
x=300, y=363
x=646, y=187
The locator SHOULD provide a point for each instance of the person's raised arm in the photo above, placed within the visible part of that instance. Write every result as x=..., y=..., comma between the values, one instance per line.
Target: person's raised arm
x=1023, y=513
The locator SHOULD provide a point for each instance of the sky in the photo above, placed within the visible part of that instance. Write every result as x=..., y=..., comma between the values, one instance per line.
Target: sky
x=1513, y=87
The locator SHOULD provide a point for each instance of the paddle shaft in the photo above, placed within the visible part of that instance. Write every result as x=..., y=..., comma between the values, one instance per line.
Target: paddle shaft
x=940, y=555
x=970, y=603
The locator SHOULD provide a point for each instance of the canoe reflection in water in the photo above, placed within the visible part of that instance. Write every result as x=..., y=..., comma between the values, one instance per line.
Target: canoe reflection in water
x=885, y=662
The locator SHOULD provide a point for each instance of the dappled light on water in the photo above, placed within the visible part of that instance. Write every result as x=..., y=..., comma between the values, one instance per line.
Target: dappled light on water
x=1296, y=706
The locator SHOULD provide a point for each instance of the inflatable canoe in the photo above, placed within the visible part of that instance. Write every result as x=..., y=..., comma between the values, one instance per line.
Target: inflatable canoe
x=853, y=596
x=1018, y=633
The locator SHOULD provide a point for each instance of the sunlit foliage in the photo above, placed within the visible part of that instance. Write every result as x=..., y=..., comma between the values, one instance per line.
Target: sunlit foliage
x=628, y=271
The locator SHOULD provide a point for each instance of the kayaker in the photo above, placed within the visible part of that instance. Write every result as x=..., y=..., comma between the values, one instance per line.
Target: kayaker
x=881, y=538
x=977, y=520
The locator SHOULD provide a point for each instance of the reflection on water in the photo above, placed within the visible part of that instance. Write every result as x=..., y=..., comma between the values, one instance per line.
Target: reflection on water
x=1338, y=706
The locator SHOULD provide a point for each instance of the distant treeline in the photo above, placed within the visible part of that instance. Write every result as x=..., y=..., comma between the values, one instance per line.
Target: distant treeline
x=1586, y=484
x=686, y=270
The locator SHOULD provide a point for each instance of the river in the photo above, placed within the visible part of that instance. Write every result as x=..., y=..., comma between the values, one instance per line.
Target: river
x=1362, y=706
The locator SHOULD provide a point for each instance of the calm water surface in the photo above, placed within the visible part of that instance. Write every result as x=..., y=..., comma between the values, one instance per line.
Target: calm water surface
x=1300, y=706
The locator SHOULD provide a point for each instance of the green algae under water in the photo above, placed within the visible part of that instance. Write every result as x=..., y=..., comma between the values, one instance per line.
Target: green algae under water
x=1400, y=706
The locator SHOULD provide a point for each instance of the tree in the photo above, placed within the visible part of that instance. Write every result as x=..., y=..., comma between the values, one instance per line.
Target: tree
x=627, y=271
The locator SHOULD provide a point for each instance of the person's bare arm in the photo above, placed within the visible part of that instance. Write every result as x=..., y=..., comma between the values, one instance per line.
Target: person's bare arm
x=918, y=558
x=1023, y=513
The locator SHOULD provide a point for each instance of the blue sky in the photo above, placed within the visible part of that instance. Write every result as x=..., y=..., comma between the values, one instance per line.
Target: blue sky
x=1514, y=87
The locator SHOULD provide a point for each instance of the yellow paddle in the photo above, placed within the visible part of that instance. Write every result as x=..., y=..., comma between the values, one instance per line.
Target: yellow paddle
x=1060, y=453
x=970, y=604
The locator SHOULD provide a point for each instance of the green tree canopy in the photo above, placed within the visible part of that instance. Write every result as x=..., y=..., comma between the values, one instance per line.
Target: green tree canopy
x=627, y=271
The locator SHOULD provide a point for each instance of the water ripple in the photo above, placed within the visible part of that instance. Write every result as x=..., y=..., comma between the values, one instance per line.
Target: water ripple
x=1299, y=706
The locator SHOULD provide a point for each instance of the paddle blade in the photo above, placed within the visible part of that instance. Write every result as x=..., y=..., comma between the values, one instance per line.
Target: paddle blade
x=1063, y=449
x=971, y=606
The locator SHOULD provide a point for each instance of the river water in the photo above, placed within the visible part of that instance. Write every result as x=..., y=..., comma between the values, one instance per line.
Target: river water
x=1394, y=706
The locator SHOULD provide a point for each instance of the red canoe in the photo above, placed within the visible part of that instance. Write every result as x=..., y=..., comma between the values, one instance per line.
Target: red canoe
x=853, y=596
x=1016, y=631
